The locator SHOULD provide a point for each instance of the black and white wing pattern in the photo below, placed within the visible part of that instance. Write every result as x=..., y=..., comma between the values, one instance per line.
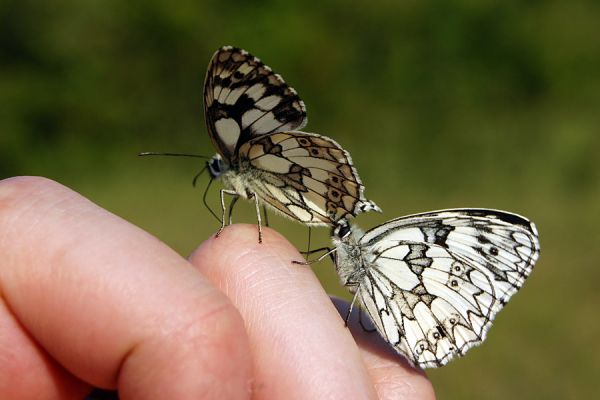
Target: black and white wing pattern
x=306, y=176
x=252, y=116
x=432, y=283
x=244, y=98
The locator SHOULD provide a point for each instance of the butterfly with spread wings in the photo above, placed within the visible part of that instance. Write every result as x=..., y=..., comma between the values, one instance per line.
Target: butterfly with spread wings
x=253, y=118
x=432, y=283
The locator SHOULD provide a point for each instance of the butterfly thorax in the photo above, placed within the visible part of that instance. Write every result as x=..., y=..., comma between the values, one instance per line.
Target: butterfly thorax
x=237, y=176
x=351, y=259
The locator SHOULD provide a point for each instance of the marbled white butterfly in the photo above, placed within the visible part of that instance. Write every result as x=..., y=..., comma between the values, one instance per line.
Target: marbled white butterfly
x=251, y=115
x=433, y=282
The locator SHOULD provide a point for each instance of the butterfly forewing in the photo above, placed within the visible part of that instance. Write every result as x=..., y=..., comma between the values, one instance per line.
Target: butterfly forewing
x=503, y=245
x=309, y=175
x=244, y=98
x=435, y=281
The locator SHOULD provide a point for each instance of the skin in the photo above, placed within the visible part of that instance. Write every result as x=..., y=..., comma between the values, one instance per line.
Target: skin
x=90, y=300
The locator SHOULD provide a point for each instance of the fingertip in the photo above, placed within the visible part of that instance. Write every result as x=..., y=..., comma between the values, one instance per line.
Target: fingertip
x=18, y=191
x=238, y=246
x=291, y=323
x=238, y=238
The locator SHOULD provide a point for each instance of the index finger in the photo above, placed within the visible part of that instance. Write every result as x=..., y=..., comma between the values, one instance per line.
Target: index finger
x=301, y=349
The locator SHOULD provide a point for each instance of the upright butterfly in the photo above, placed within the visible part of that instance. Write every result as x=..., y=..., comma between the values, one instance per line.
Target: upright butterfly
x=433, y=282
x=251, y=114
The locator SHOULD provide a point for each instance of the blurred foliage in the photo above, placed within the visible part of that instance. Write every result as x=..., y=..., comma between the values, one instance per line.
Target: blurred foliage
x=442, y=104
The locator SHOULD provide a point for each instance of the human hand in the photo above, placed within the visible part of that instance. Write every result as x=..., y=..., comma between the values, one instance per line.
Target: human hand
x=87, y=299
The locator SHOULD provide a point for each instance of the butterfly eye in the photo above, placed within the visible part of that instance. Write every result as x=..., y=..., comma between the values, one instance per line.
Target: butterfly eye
x=214, y=166
x=342, y=229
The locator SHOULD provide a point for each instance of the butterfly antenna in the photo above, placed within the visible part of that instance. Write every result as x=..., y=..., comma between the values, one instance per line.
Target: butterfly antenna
x=198, y=176
x=152, y=153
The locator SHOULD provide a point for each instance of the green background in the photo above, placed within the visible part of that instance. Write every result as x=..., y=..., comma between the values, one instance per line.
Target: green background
x=442, y=104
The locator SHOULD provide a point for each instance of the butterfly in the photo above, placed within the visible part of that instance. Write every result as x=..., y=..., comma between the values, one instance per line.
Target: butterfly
x=253, y=119
x=432, y=283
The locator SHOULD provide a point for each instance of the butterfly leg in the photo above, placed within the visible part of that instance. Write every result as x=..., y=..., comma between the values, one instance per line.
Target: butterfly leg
x=265, y=214
x=223, y=193
x=328, y=253
x=350, y=308
x=233, y=201
x=257, y=206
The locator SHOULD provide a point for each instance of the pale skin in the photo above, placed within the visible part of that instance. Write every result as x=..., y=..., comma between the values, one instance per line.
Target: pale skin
x=89, y=300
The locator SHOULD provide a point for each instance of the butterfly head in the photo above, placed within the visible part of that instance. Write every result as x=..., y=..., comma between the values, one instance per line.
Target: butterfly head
x=343, y=231
x=216, y=166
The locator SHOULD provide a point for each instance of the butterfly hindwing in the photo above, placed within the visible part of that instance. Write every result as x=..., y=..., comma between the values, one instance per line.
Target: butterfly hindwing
x=244, y=98
x=435, y=281
x=431, y=306
x=310, y=176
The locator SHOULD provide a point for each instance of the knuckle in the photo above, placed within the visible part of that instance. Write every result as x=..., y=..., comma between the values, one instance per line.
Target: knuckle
x=218, y=325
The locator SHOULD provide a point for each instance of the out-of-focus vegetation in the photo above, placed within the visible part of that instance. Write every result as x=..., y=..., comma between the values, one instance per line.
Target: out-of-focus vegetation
x=442, y=104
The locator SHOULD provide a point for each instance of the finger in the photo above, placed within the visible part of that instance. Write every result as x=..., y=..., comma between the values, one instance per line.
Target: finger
x=393, y=377
x=300, y=347
x=111, y=303
x=27, y=372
